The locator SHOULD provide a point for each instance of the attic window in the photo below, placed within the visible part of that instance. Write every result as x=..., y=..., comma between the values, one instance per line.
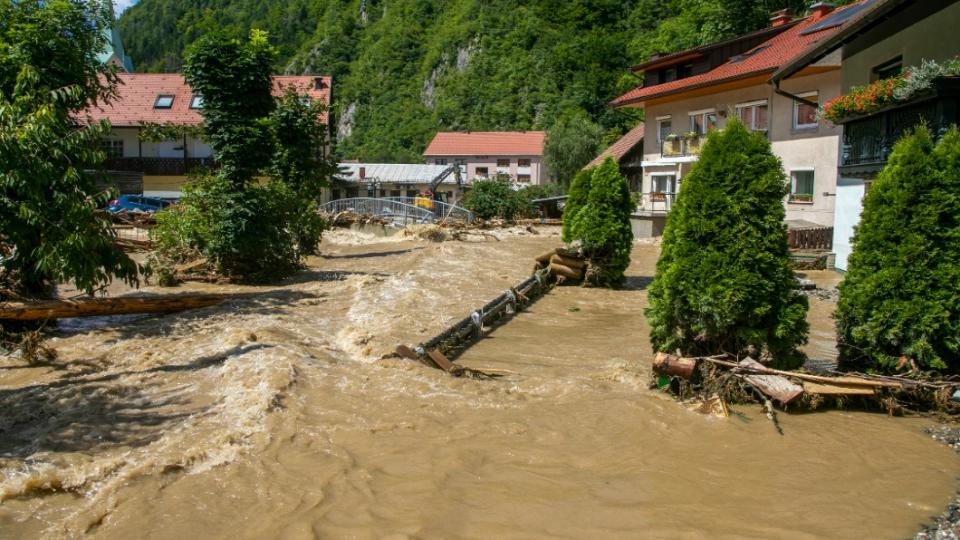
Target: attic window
x=741, y=57
x=196, y=102
x=163, y=101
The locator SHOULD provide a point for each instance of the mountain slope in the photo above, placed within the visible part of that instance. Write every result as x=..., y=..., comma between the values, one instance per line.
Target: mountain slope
x=404, y=69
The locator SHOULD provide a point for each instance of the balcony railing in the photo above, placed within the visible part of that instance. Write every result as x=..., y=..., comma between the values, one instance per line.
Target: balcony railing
x=157, y=166
x=656, y=202
x=681, y=145
x=868, y=140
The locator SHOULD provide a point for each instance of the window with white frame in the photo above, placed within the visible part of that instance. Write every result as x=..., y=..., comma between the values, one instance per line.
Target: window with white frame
x=503, y=163
x=163, y=101
x=664, y=127
x=524, y=162
x=481, y=172
x=113, y=148
x=804, y=114
x=801, y=185
x=753, y=115
x=703, y=121
x=663, y=183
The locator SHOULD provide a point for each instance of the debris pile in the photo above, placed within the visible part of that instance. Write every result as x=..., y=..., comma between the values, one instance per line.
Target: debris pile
x=703, y=381
x=564, y=264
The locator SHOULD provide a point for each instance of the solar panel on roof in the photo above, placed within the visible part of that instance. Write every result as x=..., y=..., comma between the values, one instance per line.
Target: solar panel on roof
x=839, y=17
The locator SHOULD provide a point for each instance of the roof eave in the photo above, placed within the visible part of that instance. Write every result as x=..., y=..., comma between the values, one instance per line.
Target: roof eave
x=681, y=90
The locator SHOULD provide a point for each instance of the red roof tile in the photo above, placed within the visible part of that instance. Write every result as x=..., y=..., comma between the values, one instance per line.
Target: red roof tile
x=137, y=93
x=764, y=58
x=620, y=148
x=487, y=143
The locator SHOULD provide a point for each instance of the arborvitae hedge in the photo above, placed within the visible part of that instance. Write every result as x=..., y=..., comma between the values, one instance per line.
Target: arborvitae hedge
x=901, y=294
x=576, y=198
x=723, y=284
x=603, y=225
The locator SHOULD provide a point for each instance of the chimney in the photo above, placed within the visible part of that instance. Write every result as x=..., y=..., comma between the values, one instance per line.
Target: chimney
x=820, y=10
x=781, y=17
x=363, y=172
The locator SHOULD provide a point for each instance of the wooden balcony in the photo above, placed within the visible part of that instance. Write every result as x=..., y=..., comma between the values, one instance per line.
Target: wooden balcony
x=158, y=166
x=869, y=139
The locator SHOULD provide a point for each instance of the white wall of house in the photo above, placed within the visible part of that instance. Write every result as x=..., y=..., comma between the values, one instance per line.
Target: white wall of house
x=800, y=149
x=850, y=192
x=536, y=171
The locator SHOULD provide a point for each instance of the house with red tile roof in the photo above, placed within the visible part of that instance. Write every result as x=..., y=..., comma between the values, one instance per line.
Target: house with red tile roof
x=487, y=154
x=627, y=151
x=689, y=93
x=159, y=168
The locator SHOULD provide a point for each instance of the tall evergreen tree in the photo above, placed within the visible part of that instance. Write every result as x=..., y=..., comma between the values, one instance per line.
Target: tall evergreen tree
x=723, y=284
x=901, y=294
x=49, y=201
x=576, y=199
x=602, y=225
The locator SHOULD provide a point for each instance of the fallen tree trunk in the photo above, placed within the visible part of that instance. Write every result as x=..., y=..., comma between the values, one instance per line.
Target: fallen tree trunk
x=565, y=271
x=572, y=262
x=668, y=364
x=121, y=305
x=544, y=258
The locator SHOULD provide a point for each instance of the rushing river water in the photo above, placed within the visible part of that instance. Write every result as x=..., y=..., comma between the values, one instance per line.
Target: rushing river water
x=273, y=417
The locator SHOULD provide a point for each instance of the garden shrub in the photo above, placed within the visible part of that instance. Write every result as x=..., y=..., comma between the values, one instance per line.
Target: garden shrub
x=723, y=283
x=901, y=293
x=602, y=225
x=490, y=199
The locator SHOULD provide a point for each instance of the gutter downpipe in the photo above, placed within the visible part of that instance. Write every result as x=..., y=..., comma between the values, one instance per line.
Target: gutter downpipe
x=794, y=97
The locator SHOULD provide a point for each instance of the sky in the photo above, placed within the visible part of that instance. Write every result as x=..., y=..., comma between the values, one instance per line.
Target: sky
x=120, y=5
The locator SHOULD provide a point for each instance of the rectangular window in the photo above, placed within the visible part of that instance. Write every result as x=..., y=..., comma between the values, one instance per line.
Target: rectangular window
x=703, y=121
x=754, y=115
x=804, y=115
x=395, y=193
x=801, y=186
x=523, y=178
x=664, y=127
x=334, y=194
x=164, y=101
x=503, y=163
x=411, y=193
x=663, y=183
x=482, y=172
x=113, y=148
x=887, y=70
x=440, y=161
x=196, y=102
x=523, y=163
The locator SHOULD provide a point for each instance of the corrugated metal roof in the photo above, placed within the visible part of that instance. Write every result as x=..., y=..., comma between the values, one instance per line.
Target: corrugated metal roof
x=397, y=173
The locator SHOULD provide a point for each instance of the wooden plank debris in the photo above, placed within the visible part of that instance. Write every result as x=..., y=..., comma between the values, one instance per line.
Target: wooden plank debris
x=774, y=386
x=837, y=389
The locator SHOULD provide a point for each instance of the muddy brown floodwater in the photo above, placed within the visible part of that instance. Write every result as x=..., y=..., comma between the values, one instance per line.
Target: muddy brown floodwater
x=273, y=417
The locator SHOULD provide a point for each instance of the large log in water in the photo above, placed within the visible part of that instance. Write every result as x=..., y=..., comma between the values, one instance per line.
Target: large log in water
x=121, y=305
x=572, y=262
x=668, y=364
x=565, y=271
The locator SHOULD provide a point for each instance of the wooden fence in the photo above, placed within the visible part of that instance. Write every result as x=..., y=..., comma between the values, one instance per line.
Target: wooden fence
x=812, y=238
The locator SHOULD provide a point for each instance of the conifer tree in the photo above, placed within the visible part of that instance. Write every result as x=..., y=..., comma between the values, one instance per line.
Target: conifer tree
x=602, y=224
x=723, y=284
x=901, y=294
x=576, y=198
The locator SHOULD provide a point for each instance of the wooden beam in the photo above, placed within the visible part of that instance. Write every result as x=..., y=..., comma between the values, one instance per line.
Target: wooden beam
x=121, y=305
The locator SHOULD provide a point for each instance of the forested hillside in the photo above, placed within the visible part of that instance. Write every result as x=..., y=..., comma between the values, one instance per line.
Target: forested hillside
x=404, y=69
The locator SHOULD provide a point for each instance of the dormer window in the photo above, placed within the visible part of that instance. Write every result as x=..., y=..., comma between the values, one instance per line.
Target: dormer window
x=164, y=101
x=196, y=102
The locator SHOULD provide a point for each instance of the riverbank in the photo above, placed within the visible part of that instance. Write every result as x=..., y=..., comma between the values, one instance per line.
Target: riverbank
x=274, y=416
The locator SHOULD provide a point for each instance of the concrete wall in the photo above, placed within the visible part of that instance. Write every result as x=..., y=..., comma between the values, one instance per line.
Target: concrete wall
x=933, y=38
x=133, y=147
x=647, y=226
x=816, y=148
x=536, y=170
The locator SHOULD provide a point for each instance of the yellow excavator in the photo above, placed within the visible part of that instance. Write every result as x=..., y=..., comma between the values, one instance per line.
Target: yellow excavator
x=431, y=194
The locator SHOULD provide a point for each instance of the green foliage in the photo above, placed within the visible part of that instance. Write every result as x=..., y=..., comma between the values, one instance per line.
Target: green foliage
x=602, y=225
x=496, y=198
x=571, y=143
x=723, y=284
x=249, y=231
x=576, y=199
x=900, y=296
x=233, y=76
x=49, y=203
x=154, y=132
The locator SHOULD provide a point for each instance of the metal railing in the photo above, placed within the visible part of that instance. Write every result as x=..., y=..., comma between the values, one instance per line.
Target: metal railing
x=157, y=166
x=442, y=210
x=681, y=145
x=395, y=210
